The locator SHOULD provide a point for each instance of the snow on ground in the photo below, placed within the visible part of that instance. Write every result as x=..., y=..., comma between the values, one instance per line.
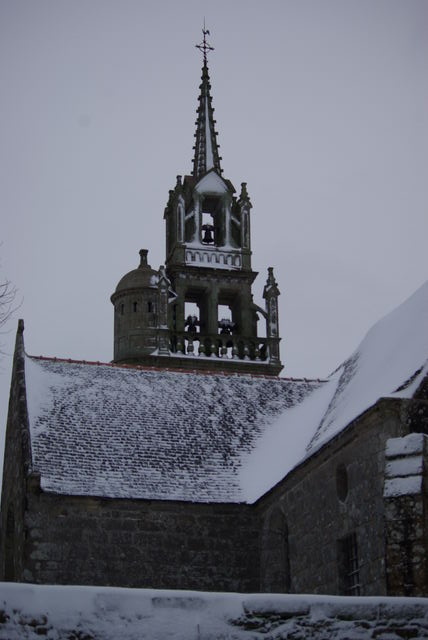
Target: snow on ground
x=392, y=360
x=104, y=613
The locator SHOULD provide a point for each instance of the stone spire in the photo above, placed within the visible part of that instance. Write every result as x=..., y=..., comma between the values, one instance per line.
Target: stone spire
x=206, y=155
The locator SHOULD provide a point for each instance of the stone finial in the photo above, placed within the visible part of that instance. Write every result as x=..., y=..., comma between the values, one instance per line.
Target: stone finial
x=244, y=198
x=271, y=277
x=143, y=258
x=271, y=286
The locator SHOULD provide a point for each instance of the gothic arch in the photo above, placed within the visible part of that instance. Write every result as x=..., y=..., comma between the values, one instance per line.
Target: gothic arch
x=275, y=557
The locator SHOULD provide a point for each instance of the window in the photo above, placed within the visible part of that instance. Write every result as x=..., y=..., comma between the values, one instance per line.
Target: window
x=349, y=571
x=149, y=306
x=134, y=305
x=275, y=555
x=341, y=482
x=122, y=309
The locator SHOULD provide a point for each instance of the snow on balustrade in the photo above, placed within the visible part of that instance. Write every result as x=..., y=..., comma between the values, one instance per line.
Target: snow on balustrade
x=209, y=256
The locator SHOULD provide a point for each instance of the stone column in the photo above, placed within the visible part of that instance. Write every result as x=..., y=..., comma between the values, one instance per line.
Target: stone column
x=197, y=210
x=227, y=220
x=163, y=333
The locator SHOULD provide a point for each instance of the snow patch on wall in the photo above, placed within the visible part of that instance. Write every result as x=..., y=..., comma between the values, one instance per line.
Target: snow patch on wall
x=404, y=467
x=411, y=485
x=413, y=443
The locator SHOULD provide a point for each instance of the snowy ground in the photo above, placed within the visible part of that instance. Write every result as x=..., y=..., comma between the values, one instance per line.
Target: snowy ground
x=104, y=613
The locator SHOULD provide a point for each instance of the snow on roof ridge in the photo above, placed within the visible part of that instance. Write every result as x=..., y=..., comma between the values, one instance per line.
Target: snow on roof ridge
x=147, y=367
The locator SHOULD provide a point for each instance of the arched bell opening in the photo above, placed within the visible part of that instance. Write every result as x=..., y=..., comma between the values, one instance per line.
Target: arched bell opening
x=236, y=233
x=226, y=325
x=212, y=219
x=192, y=317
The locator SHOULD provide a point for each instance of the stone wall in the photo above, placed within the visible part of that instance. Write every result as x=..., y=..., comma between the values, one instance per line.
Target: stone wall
x=17, y=467
x=336, y=494
x=406, y=507
x=139, y=543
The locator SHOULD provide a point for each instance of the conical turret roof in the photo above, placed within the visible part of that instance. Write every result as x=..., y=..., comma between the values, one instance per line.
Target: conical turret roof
x=206, y=155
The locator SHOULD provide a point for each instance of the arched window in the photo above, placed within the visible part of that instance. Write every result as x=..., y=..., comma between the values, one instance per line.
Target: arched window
x=275, y=556
x=9, y=560
x=342, y=482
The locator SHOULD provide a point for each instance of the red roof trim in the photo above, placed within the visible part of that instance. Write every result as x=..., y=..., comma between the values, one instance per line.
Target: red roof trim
x=141, y=367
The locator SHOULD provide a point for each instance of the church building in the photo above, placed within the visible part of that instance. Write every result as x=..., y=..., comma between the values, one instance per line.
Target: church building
x=187, y=462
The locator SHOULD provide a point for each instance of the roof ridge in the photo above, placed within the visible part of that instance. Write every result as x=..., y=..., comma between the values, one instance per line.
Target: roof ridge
x=142, y=367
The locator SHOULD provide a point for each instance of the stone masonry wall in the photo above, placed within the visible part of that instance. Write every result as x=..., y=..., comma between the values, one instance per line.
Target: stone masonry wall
x=406, y=506
x=336, y=493
x=139, y=543
x=15, y=471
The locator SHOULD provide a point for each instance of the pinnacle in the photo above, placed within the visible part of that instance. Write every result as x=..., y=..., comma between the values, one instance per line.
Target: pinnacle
x=206, y=155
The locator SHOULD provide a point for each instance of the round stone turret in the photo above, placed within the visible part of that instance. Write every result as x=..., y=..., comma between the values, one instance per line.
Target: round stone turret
x=135, y=303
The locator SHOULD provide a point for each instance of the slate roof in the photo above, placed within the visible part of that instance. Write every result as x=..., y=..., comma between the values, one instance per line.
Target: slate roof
x=113, y=431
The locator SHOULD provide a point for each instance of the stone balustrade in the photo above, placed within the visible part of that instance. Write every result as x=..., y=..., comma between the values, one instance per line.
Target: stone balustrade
x=225, y=346
x=210, y=256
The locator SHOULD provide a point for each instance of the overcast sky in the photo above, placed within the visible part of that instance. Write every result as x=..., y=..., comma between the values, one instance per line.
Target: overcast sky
x=321, y=107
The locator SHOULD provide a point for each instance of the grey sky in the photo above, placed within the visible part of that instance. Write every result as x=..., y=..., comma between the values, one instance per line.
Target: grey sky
x=321, y=107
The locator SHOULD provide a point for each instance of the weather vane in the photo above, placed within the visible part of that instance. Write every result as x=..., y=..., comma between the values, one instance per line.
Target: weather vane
x=204, y=46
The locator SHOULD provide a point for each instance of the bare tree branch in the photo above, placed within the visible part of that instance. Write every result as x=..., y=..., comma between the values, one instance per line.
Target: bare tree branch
x=7, y=299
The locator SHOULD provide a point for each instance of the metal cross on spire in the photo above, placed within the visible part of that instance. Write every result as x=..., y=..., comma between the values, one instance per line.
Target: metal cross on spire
x=204, y=46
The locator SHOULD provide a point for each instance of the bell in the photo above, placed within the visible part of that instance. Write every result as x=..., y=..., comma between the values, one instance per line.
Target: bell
x=208, y=236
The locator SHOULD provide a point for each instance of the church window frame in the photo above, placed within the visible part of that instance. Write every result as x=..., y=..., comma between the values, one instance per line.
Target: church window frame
x=342, y=482
x=275, y=556
x=349, y=565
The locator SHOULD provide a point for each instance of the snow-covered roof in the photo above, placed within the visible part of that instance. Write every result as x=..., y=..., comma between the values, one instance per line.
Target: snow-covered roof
x=113, y=431
x=392, y=360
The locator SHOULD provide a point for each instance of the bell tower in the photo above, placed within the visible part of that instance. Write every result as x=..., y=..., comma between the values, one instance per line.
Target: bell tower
x=206, y=317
